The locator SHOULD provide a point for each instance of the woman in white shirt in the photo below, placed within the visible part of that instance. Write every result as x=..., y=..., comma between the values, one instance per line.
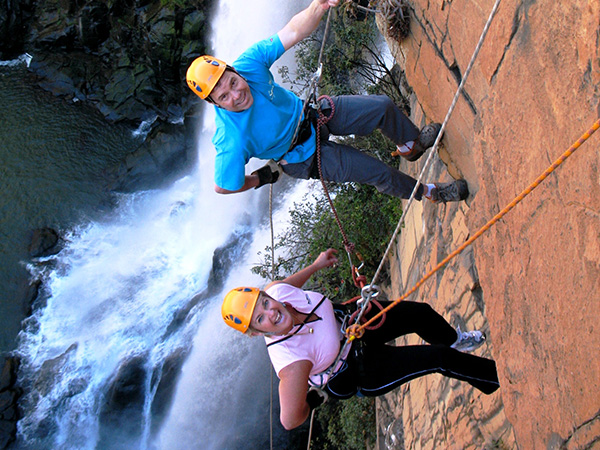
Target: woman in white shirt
x=304, y=336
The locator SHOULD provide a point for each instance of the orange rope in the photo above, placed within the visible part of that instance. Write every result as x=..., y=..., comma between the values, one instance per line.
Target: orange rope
x=356, y=331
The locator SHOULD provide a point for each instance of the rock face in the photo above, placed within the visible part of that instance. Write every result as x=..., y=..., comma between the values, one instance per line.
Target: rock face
x=533, y=280
x=128, y=59
x=9, y=394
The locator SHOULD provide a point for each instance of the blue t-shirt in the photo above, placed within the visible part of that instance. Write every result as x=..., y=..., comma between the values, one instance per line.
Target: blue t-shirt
x=265, y=130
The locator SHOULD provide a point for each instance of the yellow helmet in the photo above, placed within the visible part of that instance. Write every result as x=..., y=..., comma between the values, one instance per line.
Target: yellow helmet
x=203, y=75
x=238, y=307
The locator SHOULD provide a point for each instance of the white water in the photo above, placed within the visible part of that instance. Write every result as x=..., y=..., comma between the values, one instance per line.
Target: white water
x=25, y=58
x=113, y=291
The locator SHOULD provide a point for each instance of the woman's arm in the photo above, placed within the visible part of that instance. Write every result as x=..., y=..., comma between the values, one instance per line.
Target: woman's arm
x=325, y=259
x=293, y=385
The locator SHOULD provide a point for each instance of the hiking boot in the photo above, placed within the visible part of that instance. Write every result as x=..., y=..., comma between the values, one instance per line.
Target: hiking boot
x=425, y=140
x=429, y=134
x=450, y=192
x=468, y=341
x=415, y=153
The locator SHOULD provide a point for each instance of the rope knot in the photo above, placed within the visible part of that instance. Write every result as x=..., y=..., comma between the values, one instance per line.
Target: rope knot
x=354, y=332
x=349, y=246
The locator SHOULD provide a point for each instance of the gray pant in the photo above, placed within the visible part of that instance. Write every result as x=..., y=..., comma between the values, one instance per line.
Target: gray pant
x=361, y=115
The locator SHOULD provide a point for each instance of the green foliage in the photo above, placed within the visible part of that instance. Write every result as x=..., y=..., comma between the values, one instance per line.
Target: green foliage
x=368, y=217
x=352, y=61
x=352, y=64
x=345, y=425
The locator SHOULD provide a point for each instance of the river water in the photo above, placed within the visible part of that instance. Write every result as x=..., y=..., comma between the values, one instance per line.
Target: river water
x=112, y=294
x=52, y=154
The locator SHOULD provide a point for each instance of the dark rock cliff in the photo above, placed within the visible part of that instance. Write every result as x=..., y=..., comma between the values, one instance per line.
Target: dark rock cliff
x=127, y=58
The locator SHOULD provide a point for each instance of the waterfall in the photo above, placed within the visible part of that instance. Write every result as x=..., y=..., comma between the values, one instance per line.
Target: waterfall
x=134, y=299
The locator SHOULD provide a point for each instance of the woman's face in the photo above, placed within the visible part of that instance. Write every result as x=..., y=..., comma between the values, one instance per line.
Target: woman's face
x=271, y=316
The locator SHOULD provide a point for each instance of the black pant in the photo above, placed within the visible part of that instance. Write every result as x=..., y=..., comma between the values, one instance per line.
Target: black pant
x=374, y=368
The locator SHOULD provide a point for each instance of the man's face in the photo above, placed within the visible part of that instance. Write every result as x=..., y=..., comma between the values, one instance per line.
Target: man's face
x=232, y=93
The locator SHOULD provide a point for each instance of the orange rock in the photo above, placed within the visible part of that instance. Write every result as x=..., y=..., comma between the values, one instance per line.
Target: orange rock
x=535, y=89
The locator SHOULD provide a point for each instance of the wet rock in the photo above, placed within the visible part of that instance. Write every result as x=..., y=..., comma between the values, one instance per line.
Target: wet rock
x=54, y=26
x=165, y=380
x=8, y=432
x=130, y=57
x=30, y=298
x=49, y=371
x=44, y=242
x=9, y=396
x=14, y=17
x=158, y=162
x=127, y=58
x=94, y=24
x=121, y=414
x=223, y=260
x=8, y=376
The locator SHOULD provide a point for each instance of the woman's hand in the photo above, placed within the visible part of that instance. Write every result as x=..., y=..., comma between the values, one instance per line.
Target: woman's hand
x=326, y=259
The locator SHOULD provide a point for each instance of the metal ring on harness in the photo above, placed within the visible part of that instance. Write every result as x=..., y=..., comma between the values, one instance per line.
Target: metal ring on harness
x=369, y=291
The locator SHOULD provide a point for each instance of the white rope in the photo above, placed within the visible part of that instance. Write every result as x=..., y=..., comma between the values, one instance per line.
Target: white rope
x=272, y=279
x=312, y=418
x=438, y=138
x=311, y=88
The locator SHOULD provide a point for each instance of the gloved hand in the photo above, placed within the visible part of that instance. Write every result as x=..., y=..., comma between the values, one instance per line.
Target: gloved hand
x=316, y=397
x=268, y=174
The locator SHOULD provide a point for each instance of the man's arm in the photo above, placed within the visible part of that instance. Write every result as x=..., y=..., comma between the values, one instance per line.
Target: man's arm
x=267, y=174
x=325, y=259
x=251, y=181
x=304, y=23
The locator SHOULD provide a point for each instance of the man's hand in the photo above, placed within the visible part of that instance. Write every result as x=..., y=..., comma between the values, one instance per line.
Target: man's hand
x=326, y=4
x=304, y=23
x=268, y=174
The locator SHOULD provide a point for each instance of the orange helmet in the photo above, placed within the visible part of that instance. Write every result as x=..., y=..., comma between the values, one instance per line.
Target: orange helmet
x=238, y=307
x=203, y=75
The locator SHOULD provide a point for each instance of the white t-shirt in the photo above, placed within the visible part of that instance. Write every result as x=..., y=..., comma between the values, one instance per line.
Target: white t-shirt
x=319, y=346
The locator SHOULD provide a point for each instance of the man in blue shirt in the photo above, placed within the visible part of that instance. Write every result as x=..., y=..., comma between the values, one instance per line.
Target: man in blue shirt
x=257, y=118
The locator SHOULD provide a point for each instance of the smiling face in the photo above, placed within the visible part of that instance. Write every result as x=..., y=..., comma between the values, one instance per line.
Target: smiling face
x=271, y=316
x=232, y=92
